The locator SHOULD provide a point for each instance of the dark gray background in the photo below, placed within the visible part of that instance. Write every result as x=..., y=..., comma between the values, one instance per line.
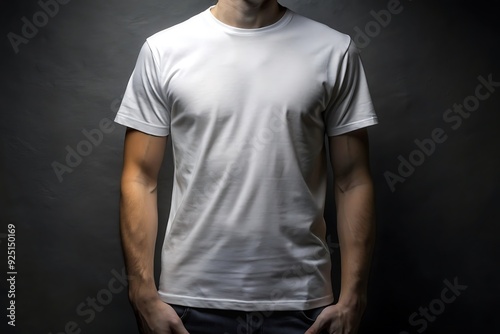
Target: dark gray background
x=440, y=224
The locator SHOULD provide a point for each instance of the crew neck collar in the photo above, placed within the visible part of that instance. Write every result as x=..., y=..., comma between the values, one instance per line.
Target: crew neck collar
x=287, y=16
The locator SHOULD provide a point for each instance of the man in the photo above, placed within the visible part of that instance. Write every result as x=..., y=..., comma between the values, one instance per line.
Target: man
x=247, y=90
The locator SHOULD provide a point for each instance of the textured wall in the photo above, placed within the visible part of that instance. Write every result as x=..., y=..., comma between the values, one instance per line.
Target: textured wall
x=435, y=79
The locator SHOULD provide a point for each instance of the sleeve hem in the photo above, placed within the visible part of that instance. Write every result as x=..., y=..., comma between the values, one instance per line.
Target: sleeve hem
x=352, y=126
x=141, y=126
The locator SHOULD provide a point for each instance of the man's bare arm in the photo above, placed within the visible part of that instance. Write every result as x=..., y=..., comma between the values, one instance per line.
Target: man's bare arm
x=143, y=156
x=354, y=199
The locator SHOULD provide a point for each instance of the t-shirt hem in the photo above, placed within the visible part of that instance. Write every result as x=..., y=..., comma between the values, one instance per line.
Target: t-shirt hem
x=244, y=305
x=352, y=126
x=141, y=126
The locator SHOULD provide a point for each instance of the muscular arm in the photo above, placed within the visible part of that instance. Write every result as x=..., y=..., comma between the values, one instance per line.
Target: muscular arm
x=354, y=198
x=143, y=155
x=353, y=189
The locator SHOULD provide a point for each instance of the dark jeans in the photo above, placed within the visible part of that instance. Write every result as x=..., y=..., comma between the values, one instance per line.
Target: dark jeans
x=211, y=321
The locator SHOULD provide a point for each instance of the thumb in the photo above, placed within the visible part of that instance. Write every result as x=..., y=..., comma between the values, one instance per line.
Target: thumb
x=179, y=329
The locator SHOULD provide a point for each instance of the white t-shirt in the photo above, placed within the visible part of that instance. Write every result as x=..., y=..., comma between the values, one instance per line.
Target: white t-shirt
x=247, y=111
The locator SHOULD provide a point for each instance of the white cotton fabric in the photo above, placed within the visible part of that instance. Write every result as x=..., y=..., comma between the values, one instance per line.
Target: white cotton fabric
x=247, y=111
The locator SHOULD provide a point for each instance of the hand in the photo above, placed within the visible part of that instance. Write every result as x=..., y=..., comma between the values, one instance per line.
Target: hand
x=154, y=316
x=338, y=319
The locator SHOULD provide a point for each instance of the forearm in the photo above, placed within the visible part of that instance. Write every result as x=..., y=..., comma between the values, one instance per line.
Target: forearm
x=356, y=232
x=138, y=229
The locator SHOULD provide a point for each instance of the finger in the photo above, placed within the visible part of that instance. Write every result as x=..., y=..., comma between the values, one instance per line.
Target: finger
x=316, y=327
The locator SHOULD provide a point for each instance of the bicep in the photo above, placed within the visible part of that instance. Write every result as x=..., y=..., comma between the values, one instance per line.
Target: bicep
x=142, y=157
x=349, y=157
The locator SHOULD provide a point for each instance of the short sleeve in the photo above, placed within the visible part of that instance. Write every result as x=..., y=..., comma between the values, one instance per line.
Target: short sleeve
x=350, y=106
x=143, y=106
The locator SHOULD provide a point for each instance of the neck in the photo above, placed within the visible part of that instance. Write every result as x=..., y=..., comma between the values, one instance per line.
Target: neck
x=248, y=14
